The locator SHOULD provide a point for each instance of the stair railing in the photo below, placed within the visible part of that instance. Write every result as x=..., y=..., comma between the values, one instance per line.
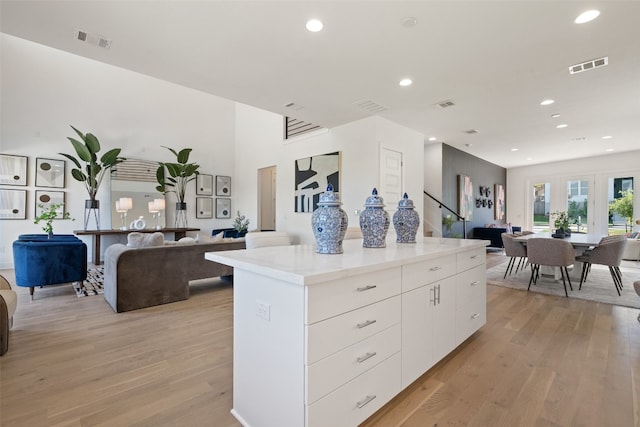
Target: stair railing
x=459, y=217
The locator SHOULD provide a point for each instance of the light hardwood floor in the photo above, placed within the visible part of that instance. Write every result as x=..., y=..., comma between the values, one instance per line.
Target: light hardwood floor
x=539, y=360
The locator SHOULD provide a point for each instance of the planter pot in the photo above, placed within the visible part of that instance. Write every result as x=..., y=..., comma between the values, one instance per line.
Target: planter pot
x=181, y=215
x=92, y=207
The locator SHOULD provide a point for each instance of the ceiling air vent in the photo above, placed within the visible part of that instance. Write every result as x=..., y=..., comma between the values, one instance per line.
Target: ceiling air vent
x=92, y=39
x=471, y=131
x=293, y=106
x=589, y=65
x=370, y=106
x=444, y=104
x=81, y=35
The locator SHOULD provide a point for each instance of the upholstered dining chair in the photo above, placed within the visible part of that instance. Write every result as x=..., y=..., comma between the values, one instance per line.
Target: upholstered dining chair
x=608, y=252
x=552, y=253
x=516, y=251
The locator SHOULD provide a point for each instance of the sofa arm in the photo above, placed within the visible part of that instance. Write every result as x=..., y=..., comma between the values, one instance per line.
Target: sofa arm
x=111, y=256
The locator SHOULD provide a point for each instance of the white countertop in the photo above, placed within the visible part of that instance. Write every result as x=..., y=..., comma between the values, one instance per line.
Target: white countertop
x=300, y=264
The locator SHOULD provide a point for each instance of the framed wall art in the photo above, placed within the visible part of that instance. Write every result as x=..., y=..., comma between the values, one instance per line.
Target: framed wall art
x=50, y=173
x=223, y=208
x=204, y=185
x=223, y=185
x=312, y=175
x=13, y=204
x=465, y=197
x=47, y=198
x=204, y=207
x=499, y=208
x=13, y=169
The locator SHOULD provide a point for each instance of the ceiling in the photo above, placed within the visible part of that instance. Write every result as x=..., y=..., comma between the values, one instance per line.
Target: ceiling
x=495, y=60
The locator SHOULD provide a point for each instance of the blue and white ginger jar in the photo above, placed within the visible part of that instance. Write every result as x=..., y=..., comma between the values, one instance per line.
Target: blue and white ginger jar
x=406, y=221
x=374, y=222
x=329, y=223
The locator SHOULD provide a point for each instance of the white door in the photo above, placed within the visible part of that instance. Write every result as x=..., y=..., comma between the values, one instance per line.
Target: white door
x=390, y=177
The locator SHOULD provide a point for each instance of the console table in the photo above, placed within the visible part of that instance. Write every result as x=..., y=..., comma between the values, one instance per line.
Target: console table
x=97, y=236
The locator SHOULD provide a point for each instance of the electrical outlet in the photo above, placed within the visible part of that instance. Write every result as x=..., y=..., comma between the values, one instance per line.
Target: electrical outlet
x=263, y=310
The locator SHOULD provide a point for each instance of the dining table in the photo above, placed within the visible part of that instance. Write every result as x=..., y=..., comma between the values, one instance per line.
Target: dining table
x=579, y=241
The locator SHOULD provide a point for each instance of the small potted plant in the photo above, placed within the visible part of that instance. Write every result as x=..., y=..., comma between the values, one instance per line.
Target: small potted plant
x=561, y=223
x=180, y=173
x=48, y=214
x=240, y=224
x=90, y=169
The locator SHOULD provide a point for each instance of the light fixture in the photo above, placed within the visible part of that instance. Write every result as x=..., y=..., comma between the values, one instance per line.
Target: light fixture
x=555, y=116
x=314, y=25
x=608, y=150
x=406, y=82
x=562, y=126
x=514, y=149
x=158, y=205
x=123, y=205
x=587, y=16
x=409, y=22
x=547, y=102
x=433, y=138
x=607, y=137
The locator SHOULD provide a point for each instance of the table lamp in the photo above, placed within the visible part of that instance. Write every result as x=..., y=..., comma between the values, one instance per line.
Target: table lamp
x=123, y=205
x=158, y=205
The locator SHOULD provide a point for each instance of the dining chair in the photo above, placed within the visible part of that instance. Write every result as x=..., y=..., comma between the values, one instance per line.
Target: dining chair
x=608, y=252
x=552, y=253
x=516, y=251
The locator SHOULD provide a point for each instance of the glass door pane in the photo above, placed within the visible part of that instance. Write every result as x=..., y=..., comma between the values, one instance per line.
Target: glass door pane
x=541, y=198
x=577, y=202
x=620, y=198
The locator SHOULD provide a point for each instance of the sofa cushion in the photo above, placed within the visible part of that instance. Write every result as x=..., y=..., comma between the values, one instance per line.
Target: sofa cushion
x=145, y=240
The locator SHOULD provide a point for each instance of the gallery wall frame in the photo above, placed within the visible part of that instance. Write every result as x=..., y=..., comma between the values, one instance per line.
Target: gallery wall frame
x=204, y=207
x=223, y=208
x=50, y=172
x=223, y=185
x=13, y=169
x=47, y=198
x=312, y=176
x=204, y=185
x=13, y=204
x=465, y=197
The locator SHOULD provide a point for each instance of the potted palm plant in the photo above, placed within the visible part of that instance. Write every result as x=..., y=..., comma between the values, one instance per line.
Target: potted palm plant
x=90, y=170
x=173, y=177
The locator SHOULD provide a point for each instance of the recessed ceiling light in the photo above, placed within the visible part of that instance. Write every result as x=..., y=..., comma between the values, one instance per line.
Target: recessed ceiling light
x=314, y=25
x=547, y=102
x=406, y=82
x=409, y=22
x=433, y=138
x=609, y=149
x=514, y=149
x=529, y=158
x=587, y=16
x=607, y=137
x=555, y=116
x=562, y=126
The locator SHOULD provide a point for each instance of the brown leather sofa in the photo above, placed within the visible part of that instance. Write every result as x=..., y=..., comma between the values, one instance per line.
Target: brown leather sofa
x=144, y=277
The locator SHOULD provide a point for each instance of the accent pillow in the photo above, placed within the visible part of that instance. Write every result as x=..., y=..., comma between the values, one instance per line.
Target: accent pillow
x=145, y=240
x=187, y=241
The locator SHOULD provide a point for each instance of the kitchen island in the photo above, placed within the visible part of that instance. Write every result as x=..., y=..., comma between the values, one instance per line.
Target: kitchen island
x=329, y=339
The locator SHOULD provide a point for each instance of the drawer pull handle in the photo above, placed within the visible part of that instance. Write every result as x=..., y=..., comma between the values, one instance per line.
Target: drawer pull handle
x=474, y=256
x=365, y=324
x=366, y=288
x=474, y=283
x=435, y=268
x=366, y=400
x=475, y=316
x=365, y=357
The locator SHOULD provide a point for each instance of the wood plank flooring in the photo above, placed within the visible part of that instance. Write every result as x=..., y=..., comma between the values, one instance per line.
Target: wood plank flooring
x=539, y=361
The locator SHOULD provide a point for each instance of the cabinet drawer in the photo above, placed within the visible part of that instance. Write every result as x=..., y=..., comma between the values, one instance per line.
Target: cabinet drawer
x=472, y=258
x=331, y=372
x=422, y=273
x=355, y=401
x=471, y=285
x=329, y=299
x=331, y=335
x=470, y=317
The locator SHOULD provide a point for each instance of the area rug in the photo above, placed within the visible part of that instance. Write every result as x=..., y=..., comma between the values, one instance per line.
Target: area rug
x=94, y=285
x=598, y=286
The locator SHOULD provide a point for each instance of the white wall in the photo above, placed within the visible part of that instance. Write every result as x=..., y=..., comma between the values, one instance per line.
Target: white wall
x=433, y=185
x=45, y=90
x=597, y=169
x=259, y=138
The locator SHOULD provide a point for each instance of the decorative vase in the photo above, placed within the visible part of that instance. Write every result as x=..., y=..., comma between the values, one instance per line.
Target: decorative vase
x=329, y=223
x=374, y=222
x=181, y=215
x=138, y=224
x=91, y=207
x=406, y=221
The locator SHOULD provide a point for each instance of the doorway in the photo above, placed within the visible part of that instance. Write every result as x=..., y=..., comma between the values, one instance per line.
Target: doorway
x=267, y=199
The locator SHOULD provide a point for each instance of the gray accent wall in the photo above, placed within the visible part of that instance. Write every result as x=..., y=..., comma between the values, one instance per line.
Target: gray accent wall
x=482, y=173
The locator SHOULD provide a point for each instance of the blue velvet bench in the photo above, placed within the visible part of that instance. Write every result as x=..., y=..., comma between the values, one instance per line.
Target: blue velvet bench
x=40, y=261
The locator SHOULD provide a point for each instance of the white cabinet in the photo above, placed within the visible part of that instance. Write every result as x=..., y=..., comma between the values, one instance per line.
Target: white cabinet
x=327, y=340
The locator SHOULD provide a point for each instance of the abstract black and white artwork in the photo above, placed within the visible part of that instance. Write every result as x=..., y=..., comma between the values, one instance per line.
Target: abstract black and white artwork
x=312, y=175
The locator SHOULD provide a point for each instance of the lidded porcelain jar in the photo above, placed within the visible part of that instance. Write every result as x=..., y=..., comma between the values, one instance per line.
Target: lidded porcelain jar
x=374, y=222
x=406, y=221
x=329, y=223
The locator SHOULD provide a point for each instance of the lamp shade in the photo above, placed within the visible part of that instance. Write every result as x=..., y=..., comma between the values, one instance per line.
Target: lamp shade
x=126, y=203
x=152, y=207
x=159, y=204
x=118, y=208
